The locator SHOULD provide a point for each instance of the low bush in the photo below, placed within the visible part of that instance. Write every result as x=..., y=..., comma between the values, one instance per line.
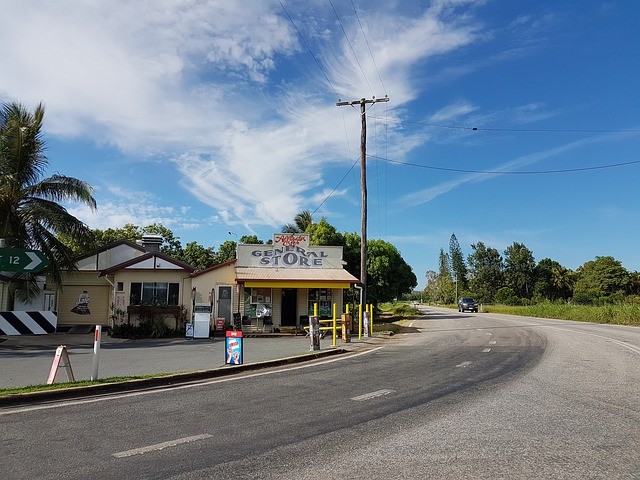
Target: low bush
x=627, y=313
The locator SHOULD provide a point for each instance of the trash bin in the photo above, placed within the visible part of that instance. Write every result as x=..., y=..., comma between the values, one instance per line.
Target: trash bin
x=345, y=320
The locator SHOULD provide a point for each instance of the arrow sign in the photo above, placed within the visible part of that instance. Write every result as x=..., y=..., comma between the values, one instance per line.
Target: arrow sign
x=19, y=260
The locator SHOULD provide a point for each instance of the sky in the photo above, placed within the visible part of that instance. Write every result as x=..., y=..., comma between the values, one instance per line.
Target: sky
x=506, y=121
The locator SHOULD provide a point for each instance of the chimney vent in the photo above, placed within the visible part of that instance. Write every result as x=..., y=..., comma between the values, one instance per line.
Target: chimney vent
x=151, y=243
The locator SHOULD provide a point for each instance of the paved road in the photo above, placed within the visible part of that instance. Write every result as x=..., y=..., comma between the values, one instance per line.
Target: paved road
x=470, y=396
x=27, y=360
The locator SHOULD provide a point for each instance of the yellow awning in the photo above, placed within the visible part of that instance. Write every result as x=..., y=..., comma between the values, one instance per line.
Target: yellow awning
x=293, y=284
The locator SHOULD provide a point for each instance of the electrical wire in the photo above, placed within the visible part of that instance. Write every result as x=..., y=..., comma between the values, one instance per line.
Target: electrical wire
x=351, y=47
x=309, y=50
x=519, y=172
x=336, y=187
x=517, y=130
x=369, y=48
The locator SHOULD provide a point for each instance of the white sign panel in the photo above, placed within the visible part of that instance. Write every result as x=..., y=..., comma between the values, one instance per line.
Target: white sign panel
x=289, y=251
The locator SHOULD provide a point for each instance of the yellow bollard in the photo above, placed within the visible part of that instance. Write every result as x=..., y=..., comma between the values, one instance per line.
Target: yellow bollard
x=371, y=317
x=334, y=324
x=315, y=309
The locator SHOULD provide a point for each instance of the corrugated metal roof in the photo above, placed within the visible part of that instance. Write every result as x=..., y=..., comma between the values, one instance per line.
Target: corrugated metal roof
x=295, y=274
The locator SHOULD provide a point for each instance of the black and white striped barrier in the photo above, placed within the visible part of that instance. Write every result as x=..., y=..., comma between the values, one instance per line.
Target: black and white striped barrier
x=28, y=323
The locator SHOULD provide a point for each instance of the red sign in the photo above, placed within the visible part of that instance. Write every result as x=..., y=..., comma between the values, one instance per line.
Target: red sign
x=290, y=240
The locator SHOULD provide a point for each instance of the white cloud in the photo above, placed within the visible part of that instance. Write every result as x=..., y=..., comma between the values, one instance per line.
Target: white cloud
x=187, y=81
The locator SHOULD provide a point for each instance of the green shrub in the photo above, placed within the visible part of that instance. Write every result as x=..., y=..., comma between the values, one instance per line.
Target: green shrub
x=506, y=296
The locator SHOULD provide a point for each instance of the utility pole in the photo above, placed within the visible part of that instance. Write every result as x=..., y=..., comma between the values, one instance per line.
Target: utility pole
x=363, y=185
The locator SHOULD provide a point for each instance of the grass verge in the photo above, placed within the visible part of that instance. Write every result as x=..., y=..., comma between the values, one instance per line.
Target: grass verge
x=79, y=383
x=621, y=314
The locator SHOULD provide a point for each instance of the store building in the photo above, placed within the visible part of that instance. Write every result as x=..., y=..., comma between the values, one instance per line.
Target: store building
x=266, y=287
x=276, y=285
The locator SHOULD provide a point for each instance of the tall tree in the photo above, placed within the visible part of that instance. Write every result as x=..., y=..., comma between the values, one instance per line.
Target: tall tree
x=552, y=280
x=198, y=256
x=226, y=252
x=30, y=213
x=323, y=233
x=602, y=277
x=519, y=266
x=458, y=265
x=485, y=269
x=389, y=276
x=251, y=240
x=445, y=284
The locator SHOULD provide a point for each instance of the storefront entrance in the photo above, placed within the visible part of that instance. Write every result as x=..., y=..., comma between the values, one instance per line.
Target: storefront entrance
x=289, y=307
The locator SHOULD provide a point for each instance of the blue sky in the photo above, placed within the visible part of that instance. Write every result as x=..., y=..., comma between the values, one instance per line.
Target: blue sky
x=213, y=117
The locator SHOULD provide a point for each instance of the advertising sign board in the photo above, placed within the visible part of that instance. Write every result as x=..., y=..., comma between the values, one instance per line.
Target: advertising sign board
x=233, y=348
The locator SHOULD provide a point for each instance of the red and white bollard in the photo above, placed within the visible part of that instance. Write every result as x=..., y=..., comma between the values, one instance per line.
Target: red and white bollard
x=96, y=352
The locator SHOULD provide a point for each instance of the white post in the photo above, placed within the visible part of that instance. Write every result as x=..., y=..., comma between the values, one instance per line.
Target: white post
x=96, y=352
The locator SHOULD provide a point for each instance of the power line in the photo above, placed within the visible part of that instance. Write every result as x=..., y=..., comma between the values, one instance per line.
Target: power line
x=336, y=187
x=309, y=50
x=368, y=47
x=499, y=172
x=351, y=46
x=517, y=130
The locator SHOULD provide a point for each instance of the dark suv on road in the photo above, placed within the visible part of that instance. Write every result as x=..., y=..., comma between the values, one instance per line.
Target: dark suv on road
x=467, y=303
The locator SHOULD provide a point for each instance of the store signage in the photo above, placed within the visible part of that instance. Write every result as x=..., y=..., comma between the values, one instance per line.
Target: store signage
x=290, y=257
x=291, y=239
x=289, y=251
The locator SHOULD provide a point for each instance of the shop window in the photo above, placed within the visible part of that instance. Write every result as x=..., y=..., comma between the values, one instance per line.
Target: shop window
x=258, y=302
x=154, y=294
x=321, y=296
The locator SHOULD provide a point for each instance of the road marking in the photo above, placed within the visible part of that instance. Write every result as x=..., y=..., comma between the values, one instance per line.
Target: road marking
x=161, y=446
x=369, y=396
x=492, y=342
x=486, y=350
x=195, y=384
x=629, y=346
x=464, y=364
x=490, y=334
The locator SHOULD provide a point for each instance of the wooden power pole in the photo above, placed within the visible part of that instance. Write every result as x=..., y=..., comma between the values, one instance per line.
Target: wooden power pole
x=363, y=185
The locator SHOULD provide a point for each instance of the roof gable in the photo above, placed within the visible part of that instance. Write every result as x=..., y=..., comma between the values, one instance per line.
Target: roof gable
x=109, y=255
x=215, y=267
x=150, y=261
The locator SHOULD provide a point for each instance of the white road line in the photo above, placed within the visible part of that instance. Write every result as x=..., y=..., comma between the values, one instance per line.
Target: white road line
x=108, y=397
x=486, y=350
x=492, y=342
x=369, y=396
x=629, y=346
x=490, y=334
x=161, y=446
x=464, y=364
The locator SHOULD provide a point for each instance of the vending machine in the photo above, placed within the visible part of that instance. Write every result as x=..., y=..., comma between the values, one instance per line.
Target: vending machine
x=201, y=320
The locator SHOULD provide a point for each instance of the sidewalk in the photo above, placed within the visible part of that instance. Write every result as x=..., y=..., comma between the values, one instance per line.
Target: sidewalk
x=26, y=360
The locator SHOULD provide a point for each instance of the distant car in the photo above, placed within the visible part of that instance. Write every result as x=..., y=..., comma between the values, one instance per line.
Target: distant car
x=467, y=303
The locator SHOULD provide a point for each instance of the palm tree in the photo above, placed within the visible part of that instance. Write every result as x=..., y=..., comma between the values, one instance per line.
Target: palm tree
x=30, y=215
x=300, y=223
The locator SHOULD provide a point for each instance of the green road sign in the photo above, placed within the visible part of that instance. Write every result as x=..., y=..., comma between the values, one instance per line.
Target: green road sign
x=19, y=260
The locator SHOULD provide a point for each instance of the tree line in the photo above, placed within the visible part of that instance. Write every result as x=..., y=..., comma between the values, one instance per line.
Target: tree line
x=32, y=217
x=514, y=277
x=388, y=275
